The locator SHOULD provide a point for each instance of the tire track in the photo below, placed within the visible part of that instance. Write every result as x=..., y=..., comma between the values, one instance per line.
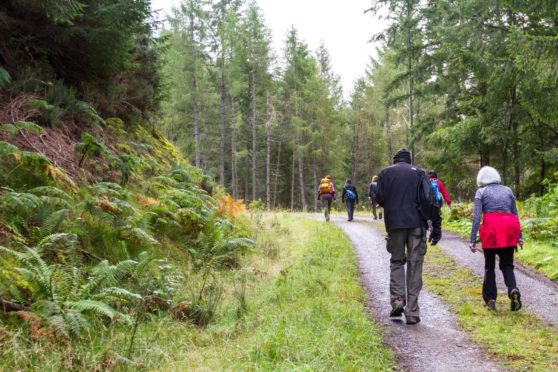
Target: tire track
x=435, y=344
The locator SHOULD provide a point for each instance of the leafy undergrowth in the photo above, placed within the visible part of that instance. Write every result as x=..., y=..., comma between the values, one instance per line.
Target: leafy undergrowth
x=540, y=251
x=517, y=339
x=296, y=304
x=84, y=261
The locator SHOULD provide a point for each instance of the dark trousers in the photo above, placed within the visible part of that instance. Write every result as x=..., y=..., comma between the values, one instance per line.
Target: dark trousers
x=350, y=208
x=436, y=225
x=406, y=246
x=489, y=291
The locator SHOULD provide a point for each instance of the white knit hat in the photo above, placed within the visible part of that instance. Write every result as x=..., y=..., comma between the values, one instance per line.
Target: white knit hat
x=488, y=175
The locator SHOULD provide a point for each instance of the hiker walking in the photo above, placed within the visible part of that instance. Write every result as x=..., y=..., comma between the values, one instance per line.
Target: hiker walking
x=441, y=195
x=500, y=233
x=372, y=192
x=400, y=187
x=350, y=198
x=326, y=193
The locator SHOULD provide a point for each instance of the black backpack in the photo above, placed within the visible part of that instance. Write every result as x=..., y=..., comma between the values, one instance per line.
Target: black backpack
x=427, y=201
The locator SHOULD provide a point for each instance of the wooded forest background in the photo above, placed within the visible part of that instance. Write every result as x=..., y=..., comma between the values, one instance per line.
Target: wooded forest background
x=461, y=83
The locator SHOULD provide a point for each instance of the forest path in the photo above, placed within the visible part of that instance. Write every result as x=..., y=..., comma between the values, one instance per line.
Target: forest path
x=539, y=294
x=435, y=344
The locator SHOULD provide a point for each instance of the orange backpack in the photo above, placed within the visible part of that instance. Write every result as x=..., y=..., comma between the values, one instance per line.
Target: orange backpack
x=326, y=187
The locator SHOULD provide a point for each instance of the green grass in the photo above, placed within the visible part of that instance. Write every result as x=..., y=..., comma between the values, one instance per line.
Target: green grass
x=518, y=339
x=305, y=313
x=294, y=304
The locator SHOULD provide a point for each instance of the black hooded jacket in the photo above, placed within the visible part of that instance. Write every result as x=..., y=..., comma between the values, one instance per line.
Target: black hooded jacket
x=398, y=188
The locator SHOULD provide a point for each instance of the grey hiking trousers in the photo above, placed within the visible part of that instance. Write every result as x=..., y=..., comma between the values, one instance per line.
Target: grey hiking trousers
x=405, y=287
x=326, y=205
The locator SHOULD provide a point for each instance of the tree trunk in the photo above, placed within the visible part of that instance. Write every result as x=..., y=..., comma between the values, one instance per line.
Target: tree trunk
x=293, y=176
x=301, y=178
x=246, y=178
x=543, y=176
x=410, y=86
x=222, y=127
x=267, y=153
x=276, y=174
x=233, y=151
x=314, y=180
x=389, y=151
x=254, y=138
x=195, y=96
x=354, y=148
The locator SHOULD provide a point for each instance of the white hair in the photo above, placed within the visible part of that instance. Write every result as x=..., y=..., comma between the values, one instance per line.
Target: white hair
x=488, y=175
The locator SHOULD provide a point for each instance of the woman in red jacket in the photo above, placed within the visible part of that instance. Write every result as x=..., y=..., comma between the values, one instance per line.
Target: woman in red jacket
x=500, y=234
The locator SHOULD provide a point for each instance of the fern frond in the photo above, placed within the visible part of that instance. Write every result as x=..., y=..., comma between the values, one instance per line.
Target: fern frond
x=116, y=293
x=52, y=192
x=47, y=231
x=92, y=306
x=29, y=127
x=59, y=324
x=76, y=322
x=46, y=308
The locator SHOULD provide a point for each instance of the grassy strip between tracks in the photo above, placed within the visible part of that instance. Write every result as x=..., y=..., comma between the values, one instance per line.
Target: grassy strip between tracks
x=517, y=339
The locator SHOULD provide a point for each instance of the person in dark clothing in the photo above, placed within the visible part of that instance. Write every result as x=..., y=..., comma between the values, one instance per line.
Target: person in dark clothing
x=350, y=198
x=441, y=195
x=398, y=193
x=372, y=191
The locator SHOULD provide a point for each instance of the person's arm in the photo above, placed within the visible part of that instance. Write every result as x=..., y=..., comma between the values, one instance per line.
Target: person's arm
x=334, y=194
x=318, y=193
x=343, y=194
x=370, y=193
x=380, y=190
x=445, y=194
x=477, y=212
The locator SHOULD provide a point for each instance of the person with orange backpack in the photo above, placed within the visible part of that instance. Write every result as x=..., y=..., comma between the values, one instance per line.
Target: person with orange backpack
x=326, y=194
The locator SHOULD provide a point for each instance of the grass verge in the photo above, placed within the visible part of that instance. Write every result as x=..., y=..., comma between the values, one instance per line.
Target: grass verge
x=304, y=310
x=518, y=339
x=295, y=303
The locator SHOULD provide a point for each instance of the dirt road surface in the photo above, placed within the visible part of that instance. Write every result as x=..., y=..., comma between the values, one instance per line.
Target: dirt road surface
x=435, y=344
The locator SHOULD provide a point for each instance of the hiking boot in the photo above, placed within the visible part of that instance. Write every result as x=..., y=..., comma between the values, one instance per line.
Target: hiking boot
x=412, y=319
x=515, y=298
x=397, y=309
x=491, y=305
x=434, y=242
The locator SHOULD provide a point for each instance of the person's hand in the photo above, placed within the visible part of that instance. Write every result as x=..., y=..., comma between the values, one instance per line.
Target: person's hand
x=449, y=205
x=520, y=242
x=473, y=247
x=334, y=200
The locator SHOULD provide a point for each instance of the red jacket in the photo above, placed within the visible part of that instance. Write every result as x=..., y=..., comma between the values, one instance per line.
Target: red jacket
x=499, y=230
x=442, y=189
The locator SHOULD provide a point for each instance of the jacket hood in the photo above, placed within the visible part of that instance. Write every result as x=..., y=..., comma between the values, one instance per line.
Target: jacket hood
x=488, y=175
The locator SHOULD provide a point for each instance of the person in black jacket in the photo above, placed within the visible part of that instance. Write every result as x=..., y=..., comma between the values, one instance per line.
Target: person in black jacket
x=350, y=198
x=398, y=193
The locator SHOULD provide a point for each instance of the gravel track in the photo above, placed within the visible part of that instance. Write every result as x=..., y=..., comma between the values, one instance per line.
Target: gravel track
x=539, y=295
x=435, y=344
